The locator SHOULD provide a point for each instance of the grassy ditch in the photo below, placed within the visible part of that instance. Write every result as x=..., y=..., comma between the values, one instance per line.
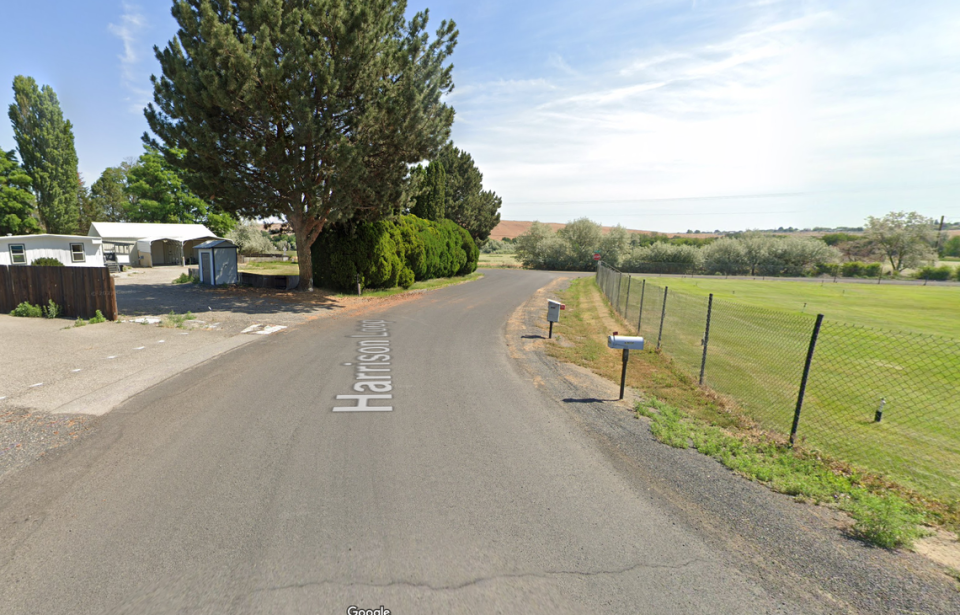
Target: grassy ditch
x=684, y=415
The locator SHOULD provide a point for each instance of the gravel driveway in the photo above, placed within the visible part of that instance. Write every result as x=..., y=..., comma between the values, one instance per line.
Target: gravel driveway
x=150, y=292
x=56, y=378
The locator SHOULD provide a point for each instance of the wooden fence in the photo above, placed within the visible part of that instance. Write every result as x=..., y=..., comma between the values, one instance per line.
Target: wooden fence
x=79, y=291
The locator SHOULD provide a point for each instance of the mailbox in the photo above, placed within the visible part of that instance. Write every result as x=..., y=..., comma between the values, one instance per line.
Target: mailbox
x=625, y=342
x=553, y=310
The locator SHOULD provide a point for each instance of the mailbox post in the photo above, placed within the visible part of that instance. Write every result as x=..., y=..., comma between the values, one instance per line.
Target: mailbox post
x=626, y=343
x=553, y=313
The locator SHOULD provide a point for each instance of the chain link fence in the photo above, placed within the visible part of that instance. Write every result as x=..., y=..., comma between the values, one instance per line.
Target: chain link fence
x=887, y=401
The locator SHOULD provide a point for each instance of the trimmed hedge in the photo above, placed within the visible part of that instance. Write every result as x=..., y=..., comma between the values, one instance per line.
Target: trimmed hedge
x=389, y=253
x=941, y=273
x=852, y=269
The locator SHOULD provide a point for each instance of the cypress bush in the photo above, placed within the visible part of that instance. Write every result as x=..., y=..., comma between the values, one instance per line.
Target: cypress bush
x=390, y=253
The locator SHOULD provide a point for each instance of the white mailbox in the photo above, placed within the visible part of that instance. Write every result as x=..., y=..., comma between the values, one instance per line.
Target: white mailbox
x=553, y=310
x=625, y=342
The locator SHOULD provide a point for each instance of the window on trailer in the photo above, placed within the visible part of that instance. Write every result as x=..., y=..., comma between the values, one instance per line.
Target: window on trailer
x=76, y=253
x=18, y=254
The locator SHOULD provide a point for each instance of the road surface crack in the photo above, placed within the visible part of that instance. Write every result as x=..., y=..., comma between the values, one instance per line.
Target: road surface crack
x=546, y=574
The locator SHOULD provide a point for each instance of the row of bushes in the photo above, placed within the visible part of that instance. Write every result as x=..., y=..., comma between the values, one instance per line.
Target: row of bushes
x=854, y=269
x=749, y=255
x=941, y=273
x=573, y=248
x=390, y=253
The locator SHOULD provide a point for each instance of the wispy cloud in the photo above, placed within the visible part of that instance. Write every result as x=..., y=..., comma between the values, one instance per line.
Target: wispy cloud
x=130, y=31
x=784, y=98
x=555, y=60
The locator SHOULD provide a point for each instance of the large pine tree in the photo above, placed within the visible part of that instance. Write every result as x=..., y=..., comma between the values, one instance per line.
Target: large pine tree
x=467, y=203
x=307, y=109
x=45, y=142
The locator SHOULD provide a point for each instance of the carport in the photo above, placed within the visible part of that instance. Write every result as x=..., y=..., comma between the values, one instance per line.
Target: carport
x=154, y=244
x=157, y=251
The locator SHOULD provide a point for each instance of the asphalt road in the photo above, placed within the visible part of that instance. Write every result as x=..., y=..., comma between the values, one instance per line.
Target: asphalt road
x=235, y=488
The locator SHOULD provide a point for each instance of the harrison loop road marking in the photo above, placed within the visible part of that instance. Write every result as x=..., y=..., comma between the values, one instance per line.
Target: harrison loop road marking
x=373, y=379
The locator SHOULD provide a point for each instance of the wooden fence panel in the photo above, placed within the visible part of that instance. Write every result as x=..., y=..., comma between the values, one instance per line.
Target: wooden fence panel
x=79, y=291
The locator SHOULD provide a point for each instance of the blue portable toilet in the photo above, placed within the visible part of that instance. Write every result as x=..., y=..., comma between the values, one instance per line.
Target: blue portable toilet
x=218, y=262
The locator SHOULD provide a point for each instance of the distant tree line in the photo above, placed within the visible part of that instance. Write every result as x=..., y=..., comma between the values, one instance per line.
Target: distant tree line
x=901, y=240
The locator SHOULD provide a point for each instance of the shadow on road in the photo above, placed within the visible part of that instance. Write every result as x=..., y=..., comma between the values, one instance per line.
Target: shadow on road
x=179, y=298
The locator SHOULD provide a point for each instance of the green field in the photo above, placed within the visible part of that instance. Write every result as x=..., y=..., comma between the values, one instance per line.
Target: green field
x=923, y=309
x=272, y=268
x=499, y=261
x=893, y=343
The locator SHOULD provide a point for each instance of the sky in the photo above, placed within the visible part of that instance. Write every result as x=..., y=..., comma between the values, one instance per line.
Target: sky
x=655, y=114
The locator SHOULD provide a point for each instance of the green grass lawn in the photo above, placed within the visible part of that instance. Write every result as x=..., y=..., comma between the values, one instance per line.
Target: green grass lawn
x=923, y=309
x=272, y=268
x=900, y=344
x=499, y=261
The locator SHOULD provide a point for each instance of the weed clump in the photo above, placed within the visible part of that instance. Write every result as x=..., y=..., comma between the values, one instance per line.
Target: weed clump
x=27, y=310
x=186, y=278
x=883, y=519
x=173, y=320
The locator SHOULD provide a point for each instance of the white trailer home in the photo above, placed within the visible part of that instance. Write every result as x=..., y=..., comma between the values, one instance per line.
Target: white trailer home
x=146, y=244
x=71, y=250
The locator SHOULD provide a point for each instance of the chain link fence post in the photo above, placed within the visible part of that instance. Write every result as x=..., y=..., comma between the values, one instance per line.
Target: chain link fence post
x=806, y=375
x=626, y=306
x=619, y=284
x=643, y=290
x=706, y=339
x=663, y=315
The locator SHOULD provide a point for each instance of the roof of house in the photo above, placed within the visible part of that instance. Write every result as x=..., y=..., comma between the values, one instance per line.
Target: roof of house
x=45, y=235
x=216, y=243
x=144, y=230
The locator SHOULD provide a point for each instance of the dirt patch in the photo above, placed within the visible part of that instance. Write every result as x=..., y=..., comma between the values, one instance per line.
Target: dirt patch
x=27, y=435
x=943, y=548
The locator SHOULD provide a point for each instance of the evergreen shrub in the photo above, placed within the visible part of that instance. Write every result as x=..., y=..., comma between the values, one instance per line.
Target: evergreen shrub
x=390, y=253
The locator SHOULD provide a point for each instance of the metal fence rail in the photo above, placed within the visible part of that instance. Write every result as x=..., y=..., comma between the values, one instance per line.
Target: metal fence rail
x=888, y=401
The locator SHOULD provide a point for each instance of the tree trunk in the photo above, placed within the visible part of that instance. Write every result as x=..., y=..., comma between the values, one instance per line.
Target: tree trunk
x=305, y=263
x=306, y=230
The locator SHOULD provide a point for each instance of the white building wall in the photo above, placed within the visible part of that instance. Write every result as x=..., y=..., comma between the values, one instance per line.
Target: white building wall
x=54, y=246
